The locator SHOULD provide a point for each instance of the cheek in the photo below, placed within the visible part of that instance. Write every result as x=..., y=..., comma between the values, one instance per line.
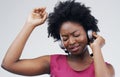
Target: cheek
x=82, y=39
x=65, y=44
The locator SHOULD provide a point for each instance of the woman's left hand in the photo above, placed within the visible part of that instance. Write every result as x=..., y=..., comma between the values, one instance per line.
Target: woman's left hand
x=98, y=42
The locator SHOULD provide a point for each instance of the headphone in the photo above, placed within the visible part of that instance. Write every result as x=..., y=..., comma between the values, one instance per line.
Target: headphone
x=62, y=45
x=89, y=35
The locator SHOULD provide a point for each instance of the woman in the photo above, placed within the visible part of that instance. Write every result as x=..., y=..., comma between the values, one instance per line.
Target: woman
x=69, y=24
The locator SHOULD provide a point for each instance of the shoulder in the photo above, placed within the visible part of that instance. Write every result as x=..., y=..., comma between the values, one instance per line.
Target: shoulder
x=109, y=65
x=111, y=68
x=57, y=56
x=53, y=56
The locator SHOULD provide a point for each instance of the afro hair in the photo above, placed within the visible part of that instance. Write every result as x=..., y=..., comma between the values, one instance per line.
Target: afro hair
x=70, y=11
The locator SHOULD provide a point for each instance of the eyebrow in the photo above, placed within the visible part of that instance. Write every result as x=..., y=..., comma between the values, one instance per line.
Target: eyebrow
x=70, y=33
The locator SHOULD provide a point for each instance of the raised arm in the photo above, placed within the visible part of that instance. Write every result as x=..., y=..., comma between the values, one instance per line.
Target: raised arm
x=12, y=61
x=101, y=68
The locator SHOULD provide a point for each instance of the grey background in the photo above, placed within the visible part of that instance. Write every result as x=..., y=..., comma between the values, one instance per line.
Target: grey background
x=13, y=14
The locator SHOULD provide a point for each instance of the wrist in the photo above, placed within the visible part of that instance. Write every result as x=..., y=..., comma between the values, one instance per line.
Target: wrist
x=30, y=25
x=96, y=49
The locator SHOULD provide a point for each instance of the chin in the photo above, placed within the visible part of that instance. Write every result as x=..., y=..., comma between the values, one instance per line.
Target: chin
x=76, y=53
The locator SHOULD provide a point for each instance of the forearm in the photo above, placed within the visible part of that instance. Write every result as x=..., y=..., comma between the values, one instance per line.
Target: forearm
x=14, y=51
x=101, y=69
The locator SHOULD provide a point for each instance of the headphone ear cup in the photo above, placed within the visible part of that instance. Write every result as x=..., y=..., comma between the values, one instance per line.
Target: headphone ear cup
x=89, y=34
x=61, y=45
x=90, y=37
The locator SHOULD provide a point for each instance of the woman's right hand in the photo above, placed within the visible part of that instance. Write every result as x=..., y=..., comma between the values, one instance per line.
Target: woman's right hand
x=37, y=17
x=28, y=67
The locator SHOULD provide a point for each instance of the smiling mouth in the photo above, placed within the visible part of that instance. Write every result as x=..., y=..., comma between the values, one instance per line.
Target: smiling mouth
x=74, y=49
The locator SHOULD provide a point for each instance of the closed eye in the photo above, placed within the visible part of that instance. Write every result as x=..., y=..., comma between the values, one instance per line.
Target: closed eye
x=65, y=38
x=76, y=35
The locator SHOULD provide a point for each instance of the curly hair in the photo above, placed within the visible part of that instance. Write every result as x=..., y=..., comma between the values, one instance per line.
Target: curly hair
x=70, y=11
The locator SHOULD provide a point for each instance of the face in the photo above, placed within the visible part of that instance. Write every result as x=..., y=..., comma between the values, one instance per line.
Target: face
x=74, y=37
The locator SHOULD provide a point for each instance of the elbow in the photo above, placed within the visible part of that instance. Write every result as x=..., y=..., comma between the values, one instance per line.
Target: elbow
x=7, y=65
x=4, y=66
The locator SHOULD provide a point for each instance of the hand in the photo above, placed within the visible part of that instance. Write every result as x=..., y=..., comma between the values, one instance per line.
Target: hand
x=98, y=42
x=37, y=17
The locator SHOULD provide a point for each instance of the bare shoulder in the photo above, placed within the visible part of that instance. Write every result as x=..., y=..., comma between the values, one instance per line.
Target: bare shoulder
x=44, y=58
x=111, y=69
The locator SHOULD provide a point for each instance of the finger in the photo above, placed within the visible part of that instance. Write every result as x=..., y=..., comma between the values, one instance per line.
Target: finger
x=36, y=10
x=94, y=34
x=42, y=9
x=35, y=15
x=43, y=13
x=45, y=16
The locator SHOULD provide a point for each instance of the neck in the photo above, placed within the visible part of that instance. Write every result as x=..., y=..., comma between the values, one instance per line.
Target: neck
x=83, y=57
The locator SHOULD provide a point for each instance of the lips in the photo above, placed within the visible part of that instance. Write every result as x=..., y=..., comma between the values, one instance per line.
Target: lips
x=74, y=48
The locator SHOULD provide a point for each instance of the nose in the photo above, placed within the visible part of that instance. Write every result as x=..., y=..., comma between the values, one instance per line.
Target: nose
x=71, y=41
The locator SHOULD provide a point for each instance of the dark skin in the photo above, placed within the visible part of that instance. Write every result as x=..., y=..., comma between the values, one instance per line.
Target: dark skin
x=74, y=39
x=29, y=67
x=78, y=60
